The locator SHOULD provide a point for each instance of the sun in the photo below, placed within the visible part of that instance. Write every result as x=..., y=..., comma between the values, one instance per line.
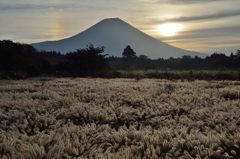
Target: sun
x=169, y=29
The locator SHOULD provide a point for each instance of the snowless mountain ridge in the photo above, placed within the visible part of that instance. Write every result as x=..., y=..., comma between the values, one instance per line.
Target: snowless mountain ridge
x=115, y=34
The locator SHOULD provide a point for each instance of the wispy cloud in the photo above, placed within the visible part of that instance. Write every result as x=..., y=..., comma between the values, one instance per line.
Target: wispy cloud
x=61, y=4
x=180, y=1
x=214, y=16
x=10, y=7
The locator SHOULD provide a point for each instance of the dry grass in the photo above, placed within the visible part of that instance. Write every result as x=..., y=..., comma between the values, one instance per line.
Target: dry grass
x=120, y=118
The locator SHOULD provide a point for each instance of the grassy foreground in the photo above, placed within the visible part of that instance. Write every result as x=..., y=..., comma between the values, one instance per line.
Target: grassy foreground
x=119, y=118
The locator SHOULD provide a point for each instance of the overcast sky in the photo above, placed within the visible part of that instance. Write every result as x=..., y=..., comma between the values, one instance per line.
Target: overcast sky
x=209, y=25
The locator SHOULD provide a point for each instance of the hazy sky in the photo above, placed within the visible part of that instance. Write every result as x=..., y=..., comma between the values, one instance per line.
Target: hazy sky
x=208, y=25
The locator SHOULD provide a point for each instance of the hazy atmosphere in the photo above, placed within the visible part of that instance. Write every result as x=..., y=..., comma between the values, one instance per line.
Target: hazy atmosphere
x=198, y=25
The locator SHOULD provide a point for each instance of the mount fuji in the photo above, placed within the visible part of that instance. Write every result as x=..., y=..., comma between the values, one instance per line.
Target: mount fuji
x=115, y=34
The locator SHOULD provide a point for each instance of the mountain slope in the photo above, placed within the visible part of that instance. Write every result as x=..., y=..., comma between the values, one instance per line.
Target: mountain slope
x=115, y=35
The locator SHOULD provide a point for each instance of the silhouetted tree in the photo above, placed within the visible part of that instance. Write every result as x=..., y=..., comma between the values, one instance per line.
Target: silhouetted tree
x=16, y=57
x=86, y=61
x=129, y=53
x=129, y=58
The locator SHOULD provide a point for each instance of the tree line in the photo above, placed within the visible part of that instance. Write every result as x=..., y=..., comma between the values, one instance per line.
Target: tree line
x=22, y=60
x=215, y=61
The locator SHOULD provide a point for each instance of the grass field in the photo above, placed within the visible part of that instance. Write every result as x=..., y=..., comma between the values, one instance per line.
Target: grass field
x=119, y=118
x=182, y=74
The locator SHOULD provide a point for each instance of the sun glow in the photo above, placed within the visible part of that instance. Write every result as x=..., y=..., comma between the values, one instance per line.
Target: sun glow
x=169, y=29
x=58, y=29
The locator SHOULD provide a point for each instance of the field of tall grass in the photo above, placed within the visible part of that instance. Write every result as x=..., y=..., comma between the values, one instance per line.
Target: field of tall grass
x=182, y=74
x=119, y=118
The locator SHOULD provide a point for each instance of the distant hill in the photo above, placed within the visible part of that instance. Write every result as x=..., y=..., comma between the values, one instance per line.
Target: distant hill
x=115, y=35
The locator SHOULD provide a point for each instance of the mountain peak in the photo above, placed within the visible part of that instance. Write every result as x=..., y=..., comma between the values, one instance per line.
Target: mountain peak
x=112, y=19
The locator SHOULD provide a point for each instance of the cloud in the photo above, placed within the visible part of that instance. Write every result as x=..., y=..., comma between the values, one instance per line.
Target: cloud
x=194, y=1
x=24, y=6
x=207, y=17
x=214, y=32
x=180, y=1
x=50, y=5
x=63, y=4
x=225, y=14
